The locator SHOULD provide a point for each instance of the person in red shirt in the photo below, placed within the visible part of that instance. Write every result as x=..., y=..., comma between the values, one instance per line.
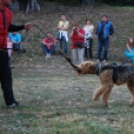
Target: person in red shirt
x=48, y=45
x=5, y=70
x=78, y=46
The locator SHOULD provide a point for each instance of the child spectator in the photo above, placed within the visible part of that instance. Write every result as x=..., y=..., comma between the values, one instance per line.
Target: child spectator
x=16, y=40
x=129, y=53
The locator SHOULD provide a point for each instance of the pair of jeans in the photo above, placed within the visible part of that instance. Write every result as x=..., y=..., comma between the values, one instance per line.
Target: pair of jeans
x=63, y=43
x=103, y=43
x=78, y=55
x=88, y=49
x=48, y=51
x=16, y=47
x=6, y=78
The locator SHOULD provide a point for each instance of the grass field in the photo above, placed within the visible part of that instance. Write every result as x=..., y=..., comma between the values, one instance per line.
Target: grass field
x=58, y=101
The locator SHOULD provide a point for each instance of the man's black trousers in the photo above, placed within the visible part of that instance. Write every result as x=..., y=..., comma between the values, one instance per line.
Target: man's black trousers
x=6, y=78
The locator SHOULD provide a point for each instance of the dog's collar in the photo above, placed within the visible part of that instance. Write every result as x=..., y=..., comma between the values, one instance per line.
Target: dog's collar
x=98, y=69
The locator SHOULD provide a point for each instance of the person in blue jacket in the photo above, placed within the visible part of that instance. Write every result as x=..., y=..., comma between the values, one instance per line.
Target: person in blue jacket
x=16, y=40
x=129, y=53
x=104, y=31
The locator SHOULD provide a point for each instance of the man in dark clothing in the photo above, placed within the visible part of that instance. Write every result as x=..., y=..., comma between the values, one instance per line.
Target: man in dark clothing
x=104, y=31
x=5, y=71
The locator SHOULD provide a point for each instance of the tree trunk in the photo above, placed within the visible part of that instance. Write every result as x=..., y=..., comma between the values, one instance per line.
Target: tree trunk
x=32, y=5
x=26, y=5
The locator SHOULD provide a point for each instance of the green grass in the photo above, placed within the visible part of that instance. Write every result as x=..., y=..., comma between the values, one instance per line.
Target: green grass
x=61, y=103
x=58, y=101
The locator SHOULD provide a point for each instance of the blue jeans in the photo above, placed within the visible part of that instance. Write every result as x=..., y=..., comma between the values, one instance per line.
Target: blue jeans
x=103, y=43
x=63, y=43
x=47, y=51
x=16, y=47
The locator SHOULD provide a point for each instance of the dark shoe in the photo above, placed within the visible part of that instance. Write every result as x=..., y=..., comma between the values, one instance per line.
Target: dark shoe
x=15, y=104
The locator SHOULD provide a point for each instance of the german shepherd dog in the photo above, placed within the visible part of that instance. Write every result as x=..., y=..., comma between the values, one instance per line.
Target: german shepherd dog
x=109, y=76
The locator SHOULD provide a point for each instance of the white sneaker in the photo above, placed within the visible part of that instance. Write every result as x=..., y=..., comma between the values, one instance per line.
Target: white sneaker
x=47, y=56
x=104, y=61
x=98, y=60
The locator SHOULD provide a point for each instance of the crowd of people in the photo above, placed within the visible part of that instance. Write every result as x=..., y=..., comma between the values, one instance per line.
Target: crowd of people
x=81, y=39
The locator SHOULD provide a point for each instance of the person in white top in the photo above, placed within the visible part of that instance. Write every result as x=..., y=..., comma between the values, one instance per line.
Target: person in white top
x=89, y=29
x=63, y=34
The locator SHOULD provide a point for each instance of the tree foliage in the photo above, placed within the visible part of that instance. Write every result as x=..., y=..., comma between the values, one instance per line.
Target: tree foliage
x=27, y=5
x=118, y=2
x=109, y=2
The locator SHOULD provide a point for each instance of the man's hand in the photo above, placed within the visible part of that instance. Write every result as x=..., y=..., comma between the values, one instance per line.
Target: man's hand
x=97, y=37
x=109, y=35
x=28, y=25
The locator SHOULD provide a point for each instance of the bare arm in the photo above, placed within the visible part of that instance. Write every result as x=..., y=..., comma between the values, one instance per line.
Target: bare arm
x=81, y=35
x=129, y=49
x=92, y=31
x=16, y=43
x=43, y=42
x=63, y=28
x=71, y=34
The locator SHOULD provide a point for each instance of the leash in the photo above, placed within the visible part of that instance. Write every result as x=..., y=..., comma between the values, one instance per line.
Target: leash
x=40, y=29
x=43, y=32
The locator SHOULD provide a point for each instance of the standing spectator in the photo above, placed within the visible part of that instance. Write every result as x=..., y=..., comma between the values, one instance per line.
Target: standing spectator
x=104, y=31
x=89, y=29
x=78, y=46
x=48, y=45
x=16, y=40
x=5, y=70
x=129, y=53
x=63, y=34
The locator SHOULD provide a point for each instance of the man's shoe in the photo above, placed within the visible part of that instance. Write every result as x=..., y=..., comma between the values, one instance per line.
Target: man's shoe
x=104, y=61
x=47, y=56
x=15, y=104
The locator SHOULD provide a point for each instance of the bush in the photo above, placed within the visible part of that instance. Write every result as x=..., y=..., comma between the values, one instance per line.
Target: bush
x=112, y=2
x=118, y=2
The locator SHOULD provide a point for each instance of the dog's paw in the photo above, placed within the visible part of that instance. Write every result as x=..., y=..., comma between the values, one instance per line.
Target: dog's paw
x=131, y=104
x=105, y=104
x=95, y=98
